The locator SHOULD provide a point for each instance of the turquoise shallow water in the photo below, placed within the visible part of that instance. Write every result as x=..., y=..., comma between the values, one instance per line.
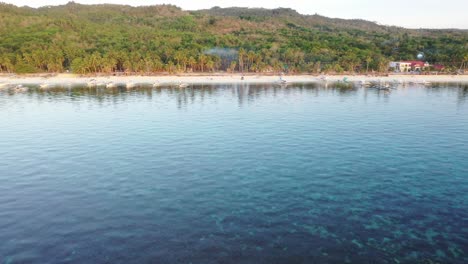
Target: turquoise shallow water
x=234, y=174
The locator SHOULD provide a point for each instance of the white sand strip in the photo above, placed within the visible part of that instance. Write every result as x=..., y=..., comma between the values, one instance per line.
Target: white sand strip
x=63, y=79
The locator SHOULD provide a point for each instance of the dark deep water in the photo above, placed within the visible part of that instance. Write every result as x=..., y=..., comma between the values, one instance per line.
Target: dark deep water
x=234, y=174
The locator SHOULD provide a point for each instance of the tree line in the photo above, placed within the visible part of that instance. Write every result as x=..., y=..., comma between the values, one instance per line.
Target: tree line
x=112, y=38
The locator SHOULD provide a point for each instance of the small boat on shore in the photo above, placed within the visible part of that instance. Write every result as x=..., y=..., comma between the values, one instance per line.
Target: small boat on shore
x=111, y=85
x=183, y=85
x=323, y=78
x=44, y=85
x=91, y=83
x=281, y=82
x=381, y=85
x=421, y=82
x=364, y=83
x=20, y=88
x=130, y=85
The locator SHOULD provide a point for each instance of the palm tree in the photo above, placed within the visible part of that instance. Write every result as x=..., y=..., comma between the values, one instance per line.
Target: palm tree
x=181, y=59
x=5, y=64
x=250, y=58
x=202, y=61
x=368, y=60
x=233, y=65
x=242, y=54
x=464, y=61
x=192, y=62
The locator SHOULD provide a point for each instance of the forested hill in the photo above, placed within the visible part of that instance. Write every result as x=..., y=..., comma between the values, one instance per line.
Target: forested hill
x=314, y=21
x=164, y=38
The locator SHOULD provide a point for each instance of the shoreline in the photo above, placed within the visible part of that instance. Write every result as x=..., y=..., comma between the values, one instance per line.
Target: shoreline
x=214, y=78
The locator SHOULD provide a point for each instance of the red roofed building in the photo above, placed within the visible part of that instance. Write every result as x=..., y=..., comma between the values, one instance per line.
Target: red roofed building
x=409, y=66
x=418, y=65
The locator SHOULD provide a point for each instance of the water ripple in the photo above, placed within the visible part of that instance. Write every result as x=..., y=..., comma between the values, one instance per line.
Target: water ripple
x=234, y=174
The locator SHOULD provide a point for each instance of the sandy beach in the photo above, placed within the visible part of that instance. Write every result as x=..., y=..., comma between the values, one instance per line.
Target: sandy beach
x=61, y=79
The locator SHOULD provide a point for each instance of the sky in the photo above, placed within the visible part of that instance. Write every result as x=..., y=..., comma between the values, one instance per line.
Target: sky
x=404, y=13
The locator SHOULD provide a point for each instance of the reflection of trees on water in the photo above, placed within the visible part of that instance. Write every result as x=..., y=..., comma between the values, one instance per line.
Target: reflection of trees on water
x=243, y=93
x=462, y=93
x=460, y=89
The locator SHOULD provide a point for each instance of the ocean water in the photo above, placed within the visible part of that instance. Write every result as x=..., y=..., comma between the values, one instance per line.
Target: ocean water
x=234, y=174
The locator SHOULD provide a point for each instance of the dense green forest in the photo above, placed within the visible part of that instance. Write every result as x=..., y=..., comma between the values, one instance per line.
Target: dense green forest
x=116, y=38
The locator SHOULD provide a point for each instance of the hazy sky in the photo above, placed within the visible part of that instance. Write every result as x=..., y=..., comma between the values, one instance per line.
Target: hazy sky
x=406, y=13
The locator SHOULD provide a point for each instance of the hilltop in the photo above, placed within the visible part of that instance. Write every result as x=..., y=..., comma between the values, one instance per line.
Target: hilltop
x=165, y=38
